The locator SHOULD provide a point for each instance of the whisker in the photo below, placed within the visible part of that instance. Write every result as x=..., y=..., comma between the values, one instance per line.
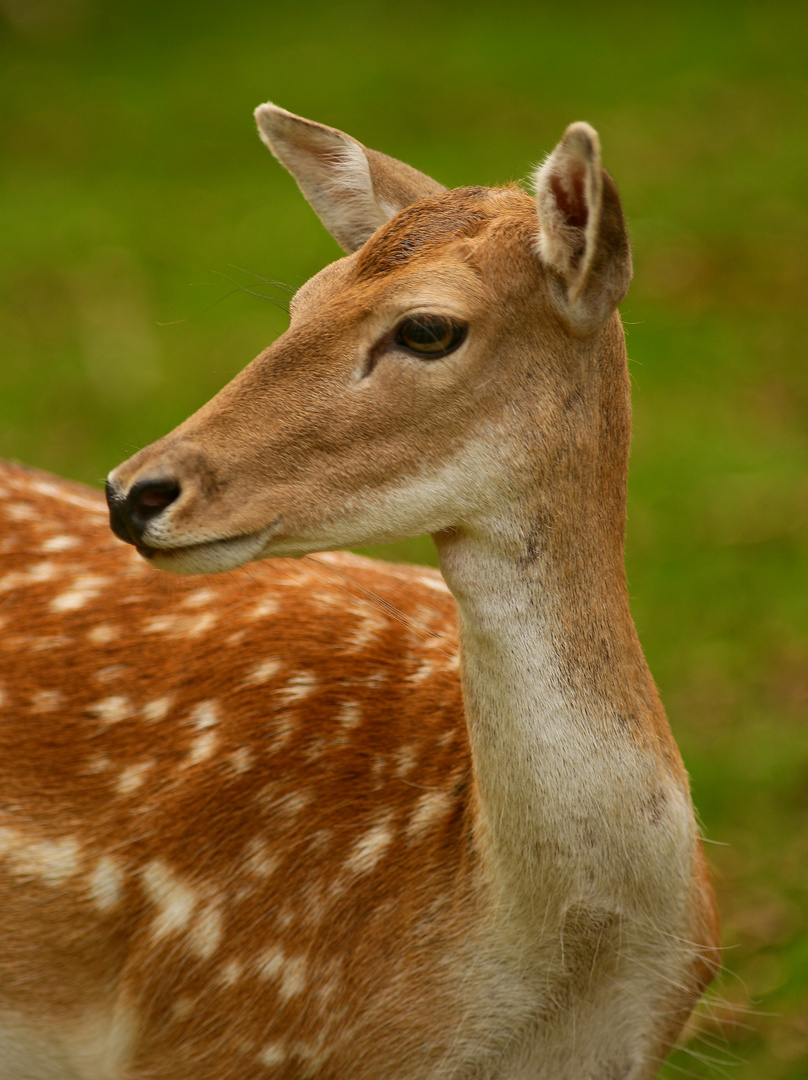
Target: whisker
x=189, y=318
x=383, y=605
x=238, y=287
x=268, y=281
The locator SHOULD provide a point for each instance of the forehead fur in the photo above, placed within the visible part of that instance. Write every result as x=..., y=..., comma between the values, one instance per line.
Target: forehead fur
x=424, y=226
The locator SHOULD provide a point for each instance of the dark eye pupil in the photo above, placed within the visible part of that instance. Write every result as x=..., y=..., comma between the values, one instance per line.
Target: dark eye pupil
x=426, y=333
x=430, y=336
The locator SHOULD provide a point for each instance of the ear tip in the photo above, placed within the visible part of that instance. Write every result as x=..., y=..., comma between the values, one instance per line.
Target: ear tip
x=267, y=115
x=582, y=138
x=579, y=142
x=268, y=108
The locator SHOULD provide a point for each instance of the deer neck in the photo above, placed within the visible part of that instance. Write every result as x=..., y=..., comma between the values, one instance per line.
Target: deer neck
x=570, y=745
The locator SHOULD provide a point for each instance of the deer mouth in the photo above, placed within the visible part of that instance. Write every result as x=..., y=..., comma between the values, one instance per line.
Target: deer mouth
x=211, y=556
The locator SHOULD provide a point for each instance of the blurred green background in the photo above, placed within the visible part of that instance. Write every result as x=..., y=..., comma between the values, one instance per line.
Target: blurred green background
x=139, y=213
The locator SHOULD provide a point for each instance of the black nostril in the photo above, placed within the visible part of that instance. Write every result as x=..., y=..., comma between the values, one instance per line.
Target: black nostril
x=130, y=514
x=149, y=498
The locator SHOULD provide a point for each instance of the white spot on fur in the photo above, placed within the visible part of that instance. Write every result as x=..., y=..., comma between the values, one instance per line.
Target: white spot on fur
x=157, y=709
x=181, y=625
x=263, y=672
x=294, y=802
x=231, y=973
x=265, y=608
x=103, y=634
x=32, y=575
x=284, y=807
x=110, y=673
x=429, y=809
x=163, y=624
x=46, y=700
x=290, y=972
x=132, y=777
x=293, y=978
x=44, y=644
x=327, y=599
x=174, y=899
x=201, y=624
x=42, y=571
x=11, y=581
x=202, y=747
x=63, y=495
x=283, y=724
x=369, y=849
x=298, y=687
x=370, y=626
x=60, y=859
x=62, y=542
x=272, y=1054
x=98, y=763
x=85, y=588
x=111, y=710
x=52, y=861
x=284, y=918
x=378, y=768
x=270, y=963
x=425, y=671
x=422, y=619
x=207, y=933
x=317, y=747
x=258, y=859
x=199, y=598
x=205, y=715
x=320, y=840
x=329, y=978
x=241, y=760
x=350, y=714
x=405, y=760
x=433, y=581
x=105, y=883
x=21, y=512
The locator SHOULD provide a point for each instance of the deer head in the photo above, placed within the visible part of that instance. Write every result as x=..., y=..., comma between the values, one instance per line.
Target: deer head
x=386, y=410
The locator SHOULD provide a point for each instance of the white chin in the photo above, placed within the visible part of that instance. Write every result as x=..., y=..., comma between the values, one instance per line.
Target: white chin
x=211, y=557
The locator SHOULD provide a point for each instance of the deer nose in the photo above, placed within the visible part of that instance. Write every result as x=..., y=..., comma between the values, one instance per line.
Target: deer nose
x=130, y=514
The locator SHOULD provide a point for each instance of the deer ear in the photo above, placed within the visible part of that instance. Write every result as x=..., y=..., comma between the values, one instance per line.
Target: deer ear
x=583, y=238
x=353, y=190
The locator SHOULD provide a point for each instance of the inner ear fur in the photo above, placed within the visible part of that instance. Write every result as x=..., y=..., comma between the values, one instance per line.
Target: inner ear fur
x=583, y=237
x=353, y=190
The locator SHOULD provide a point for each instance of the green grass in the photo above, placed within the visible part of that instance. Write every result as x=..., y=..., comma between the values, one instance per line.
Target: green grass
x=132, y=184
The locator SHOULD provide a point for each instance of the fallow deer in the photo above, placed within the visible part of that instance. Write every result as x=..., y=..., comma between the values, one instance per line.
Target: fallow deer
x=329, y=818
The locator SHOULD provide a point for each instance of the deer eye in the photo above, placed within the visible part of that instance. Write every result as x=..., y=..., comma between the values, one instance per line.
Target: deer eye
x=430, y=336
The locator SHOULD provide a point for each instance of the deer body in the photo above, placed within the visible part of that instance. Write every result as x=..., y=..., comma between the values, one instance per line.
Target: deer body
x=271, y=829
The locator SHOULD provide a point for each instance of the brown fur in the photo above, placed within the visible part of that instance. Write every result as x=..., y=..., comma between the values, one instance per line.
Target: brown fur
x=272, y=825
x=313, y=788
